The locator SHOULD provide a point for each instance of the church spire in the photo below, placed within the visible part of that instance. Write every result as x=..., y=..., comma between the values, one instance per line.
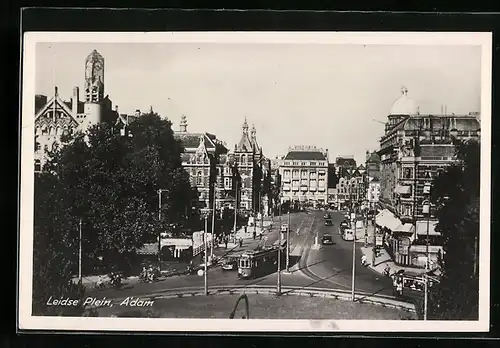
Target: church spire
x=253, y=131
x=245, y=126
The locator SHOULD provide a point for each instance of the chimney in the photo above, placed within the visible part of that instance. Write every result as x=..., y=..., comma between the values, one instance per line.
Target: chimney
x=137, y=113
x=56, y=91
x=74, y=101
x=116, y=108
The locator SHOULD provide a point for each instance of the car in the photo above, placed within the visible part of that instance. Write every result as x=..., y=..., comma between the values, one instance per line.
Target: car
x=327, y=239
x=230, y=264
x=328, y=222
x=327, y=216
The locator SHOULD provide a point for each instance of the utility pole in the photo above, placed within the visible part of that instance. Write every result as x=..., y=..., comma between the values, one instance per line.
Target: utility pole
x=288, y=244
x=213, y=229
x=374, y=246
x=159, y=230
x=235, y=209
x=278, y=292
x=205, y=275
x=80, y=253
x=353, y=218
x=426, y=279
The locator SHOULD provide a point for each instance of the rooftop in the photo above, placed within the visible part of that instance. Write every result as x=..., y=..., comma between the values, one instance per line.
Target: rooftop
x=305, y=156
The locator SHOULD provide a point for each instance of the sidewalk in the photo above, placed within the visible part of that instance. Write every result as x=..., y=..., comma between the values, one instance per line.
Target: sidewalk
x=384, y=259
x=269, y=235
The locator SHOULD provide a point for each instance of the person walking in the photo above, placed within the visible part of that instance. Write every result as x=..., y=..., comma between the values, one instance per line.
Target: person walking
x=225, y=242
x=241, y=242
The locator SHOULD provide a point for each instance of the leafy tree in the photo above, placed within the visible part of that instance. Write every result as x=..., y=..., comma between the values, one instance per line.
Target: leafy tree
x=111, y=182
x=456, y=196
x=55, y=252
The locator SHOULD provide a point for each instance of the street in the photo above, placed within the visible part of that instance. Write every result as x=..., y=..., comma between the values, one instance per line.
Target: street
x=328, y=268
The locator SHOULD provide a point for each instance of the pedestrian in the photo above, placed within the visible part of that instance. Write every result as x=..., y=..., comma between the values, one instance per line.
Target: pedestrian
x=225, y=242
x=245, y=229
x=260, y=235
x=254, y=235
x=241, y=242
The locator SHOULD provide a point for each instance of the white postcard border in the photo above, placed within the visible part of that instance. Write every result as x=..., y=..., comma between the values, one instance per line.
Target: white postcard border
x=29, y=322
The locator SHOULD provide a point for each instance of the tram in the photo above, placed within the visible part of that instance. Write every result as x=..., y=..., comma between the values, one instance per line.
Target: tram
x=256, y=263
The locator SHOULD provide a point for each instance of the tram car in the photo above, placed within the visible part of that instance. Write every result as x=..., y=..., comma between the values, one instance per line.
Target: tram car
x=257, y=263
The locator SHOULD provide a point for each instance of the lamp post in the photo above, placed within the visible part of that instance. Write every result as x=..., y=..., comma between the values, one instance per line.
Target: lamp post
x=80, y=253
x=353, y=220
x=278, y=291
x=213, y=228
x=426, y=209
x=160, y=191
x=206, y=212
x=288, y=244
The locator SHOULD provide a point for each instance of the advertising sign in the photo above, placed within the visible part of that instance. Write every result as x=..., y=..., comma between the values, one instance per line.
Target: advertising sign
x=404, y=245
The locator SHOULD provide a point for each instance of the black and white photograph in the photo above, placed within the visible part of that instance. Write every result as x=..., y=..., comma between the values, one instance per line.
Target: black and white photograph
x=264, y=181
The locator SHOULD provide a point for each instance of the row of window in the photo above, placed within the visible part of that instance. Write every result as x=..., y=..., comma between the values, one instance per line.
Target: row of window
x=46, y=130
x=305, y=163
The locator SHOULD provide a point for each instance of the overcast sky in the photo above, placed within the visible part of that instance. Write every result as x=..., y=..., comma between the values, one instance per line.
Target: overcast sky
x=296, y=94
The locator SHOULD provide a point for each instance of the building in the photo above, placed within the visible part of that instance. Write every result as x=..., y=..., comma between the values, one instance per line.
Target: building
x=373, y=192
x=248, y=156
x=55, y=117
x=372, y=178
x=345, y=165
x=209, y=164
x=413, y=150
x=304, y=175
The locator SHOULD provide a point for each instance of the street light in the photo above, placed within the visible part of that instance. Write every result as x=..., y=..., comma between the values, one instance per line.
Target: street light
x=278, y=292
x=205, y=212
x=160, y=191
x=353, y=220
x=426, y=209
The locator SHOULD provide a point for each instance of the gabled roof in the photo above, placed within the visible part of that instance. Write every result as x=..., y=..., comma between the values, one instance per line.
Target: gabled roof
x=59, y=104
x=345, y=162
x=245, y=144
x=361, y=167
x=375, y=179
x=192, y=140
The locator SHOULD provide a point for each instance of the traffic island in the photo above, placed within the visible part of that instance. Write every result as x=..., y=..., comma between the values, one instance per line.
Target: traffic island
x=261, y=306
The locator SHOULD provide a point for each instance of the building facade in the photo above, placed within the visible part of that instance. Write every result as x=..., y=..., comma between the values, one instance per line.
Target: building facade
x=414, y=148
x=304, y=175
x=248, y=157
x=55, y=117
x=210, y=167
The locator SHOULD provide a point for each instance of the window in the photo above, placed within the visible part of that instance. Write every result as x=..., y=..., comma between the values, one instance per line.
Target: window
x=44, y=130
x=199, y=178
x=38, y=166
x=312, y=163
x=227, y=183
x=286, y=173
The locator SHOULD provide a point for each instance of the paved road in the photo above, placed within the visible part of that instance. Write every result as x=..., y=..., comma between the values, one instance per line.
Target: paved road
x=216, y=276
x=329, y=267
x=333, y=263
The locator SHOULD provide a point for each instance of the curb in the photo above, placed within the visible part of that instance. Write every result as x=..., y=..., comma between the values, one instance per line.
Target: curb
x=286, y=291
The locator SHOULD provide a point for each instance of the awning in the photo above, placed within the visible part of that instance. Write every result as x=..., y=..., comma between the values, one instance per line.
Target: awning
x=422, y=228
x=387, y=219
x=404, y=228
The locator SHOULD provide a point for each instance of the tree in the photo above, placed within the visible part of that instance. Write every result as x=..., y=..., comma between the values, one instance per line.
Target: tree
x=456, y=196
x=111, y=182
x=55, y=252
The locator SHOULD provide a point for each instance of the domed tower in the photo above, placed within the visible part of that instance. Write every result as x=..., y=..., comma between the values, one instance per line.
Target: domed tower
x=401, y=108
x=94, y=87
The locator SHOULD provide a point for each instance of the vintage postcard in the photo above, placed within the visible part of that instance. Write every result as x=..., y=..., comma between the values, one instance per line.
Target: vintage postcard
x=314, y=182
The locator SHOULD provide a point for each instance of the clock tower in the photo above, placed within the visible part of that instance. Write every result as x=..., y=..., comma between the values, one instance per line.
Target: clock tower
x=94, y=77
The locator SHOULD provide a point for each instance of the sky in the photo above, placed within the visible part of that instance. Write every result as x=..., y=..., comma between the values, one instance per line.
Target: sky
x=333, y=96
